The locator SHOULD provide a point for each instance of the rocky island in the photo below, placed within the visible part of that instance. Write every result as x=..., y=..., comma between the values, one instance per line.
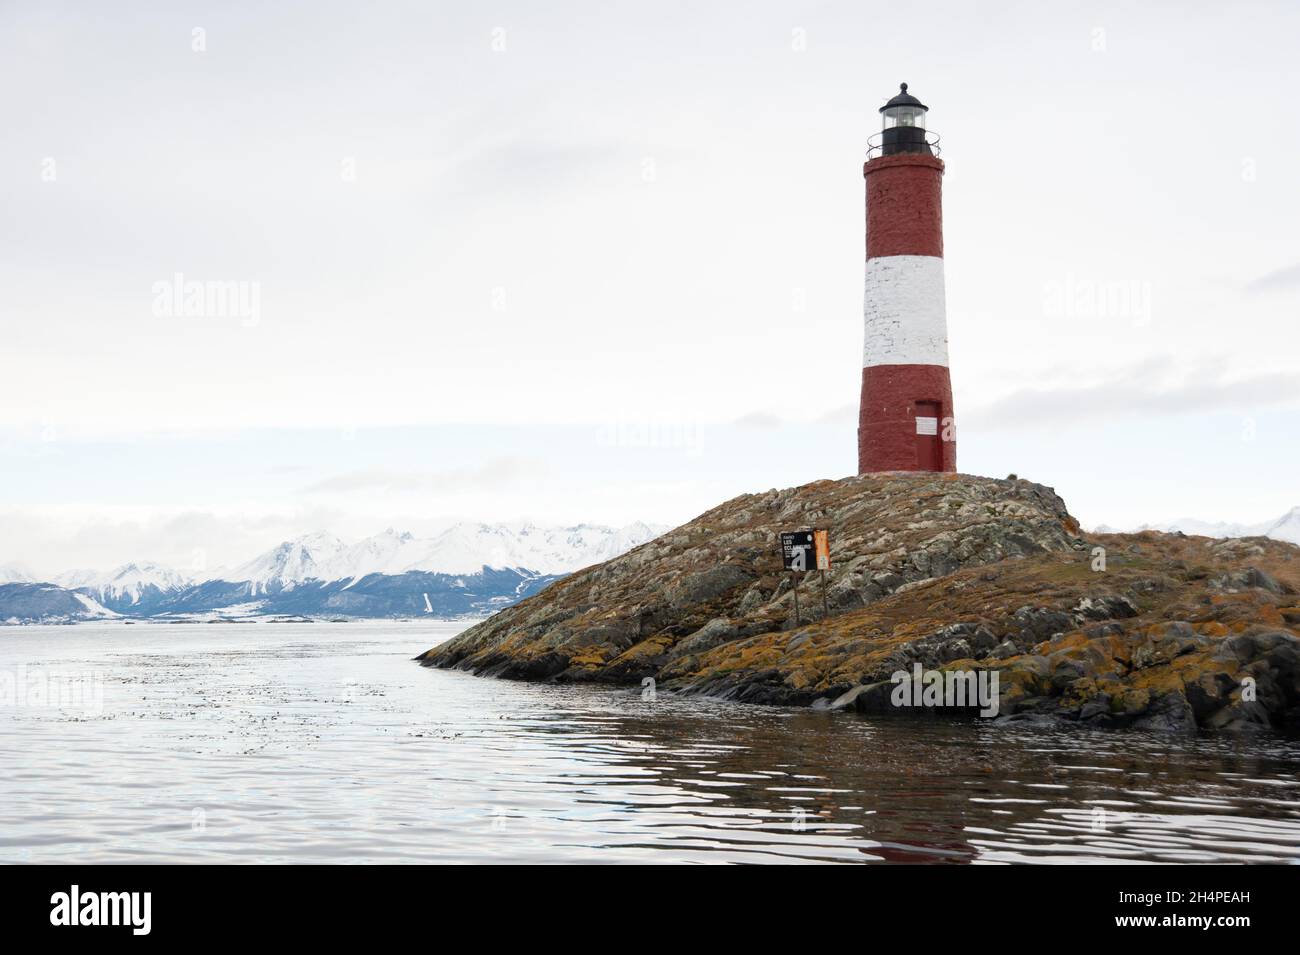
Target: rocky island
x=948, y=571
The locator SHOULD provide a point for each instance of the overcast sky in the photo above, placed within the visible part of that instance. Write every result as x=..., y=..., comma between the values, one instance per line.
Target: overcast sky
x=603, y=261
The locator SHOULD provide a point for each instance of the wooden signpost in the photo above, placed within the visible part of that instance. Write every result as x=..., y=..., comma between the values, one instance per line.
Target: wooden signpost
x=802, y=551
x=822, y=551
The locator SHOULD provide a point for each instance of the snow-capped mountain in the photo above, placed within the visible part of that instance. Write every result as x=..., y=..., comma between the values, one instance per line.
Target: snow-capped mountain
x=125, y=586
x=80, y=577
x=467, y=548
x=464, y=548
x=467, y=569
x=380, y=554
x=1284, y=528
x=288, y=564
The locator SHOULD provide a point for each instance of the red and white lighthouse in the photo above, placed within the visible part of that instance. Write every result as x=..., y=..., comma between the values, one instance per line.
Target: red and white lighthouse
x=905, y=421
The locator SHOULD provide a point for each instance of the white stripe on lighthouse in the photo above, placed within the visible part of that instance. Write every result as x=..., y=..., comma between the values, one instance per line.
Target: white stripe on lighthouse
x=904, y=312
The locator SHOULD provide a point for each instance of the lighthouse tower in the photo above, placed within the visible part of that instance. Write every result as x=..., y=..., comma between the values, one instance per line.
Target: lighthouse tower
x=905, y=421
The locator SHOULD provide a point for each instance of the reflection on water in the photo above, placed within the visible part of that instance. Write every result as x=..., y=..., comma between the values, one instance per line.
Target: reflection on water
x=323, y=742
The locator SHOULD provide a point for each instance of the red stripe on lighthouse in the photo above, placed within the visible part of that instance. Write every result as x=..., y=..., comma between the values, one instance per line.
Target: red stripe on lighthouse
x=893, y=419
x=904, y=205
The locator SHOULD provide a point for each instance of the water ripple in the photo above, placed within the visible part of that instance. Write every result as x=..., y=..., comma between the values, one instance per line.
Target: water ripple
x=247, y=744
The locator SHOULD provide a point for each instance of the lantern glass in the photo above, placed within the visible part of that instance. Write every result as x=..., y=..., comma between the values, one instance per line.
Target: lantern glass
x=904, y=116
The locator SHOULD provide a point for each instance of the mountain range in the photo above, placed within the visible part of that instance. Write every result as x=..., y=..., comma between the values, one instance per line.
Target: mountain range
x=469, y=568
x=1284, y=528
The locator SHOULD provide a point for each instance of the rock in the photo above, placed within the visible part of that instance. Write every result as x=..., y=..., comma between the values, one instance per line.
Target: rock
x=1096, y=708
x=1131, y=702
x=1268, y=640
x=937, y=570
x=1164, y=642
x=958, y=641
x=1250, y=577
x=1004, y=650
x=752, y=600
x=1042, y=623
x=620, y=635
x=1170, y=713
x=887, y=582
x=1239, y=647
x=795, y=642
x=1240, y=717
x=707, y=584
x=640, y=661
x=1258, y=578
x=1065, y=673
x=868, y=698
x=712, y=634
x=846, y=593
x=1109, y=607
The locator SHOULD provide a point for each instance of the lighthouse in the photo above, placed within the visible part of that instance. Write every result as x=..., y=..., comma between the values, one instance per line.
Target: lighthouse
x=905, y=419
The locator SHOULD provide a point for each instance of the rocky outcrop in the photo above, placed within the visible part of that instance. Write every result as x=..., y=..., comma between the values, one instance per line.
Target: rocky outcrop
x=1152, y=631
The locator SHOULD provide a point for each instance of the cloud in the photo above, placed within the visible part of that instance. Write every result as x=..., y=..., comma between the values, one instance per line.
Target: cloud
x=1134, y=393
x=1276, y=280
x=494, y=473
x=497, y=167
x=195, y=541
x=843, y=415
x=759, y=420
x=769, y=421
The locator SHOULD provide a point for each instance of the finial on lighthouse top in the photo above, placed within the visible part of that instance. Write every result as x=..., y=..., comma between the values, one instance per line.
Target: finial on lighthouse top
x=904, y=99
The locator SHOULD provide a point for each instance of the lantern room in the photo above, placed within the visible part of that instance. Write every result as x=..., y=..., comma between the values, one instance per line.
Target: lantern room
x=903, y=128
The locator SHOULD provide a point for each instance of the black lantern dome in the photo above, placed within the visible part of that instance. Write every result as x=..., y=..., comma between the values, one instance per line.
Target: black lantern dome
x=904, y=124
x=904, y=98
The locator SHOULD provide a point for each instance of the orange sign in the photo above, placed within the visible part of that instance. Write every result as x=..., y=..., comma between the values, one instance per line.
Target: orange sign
x=822, y=548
